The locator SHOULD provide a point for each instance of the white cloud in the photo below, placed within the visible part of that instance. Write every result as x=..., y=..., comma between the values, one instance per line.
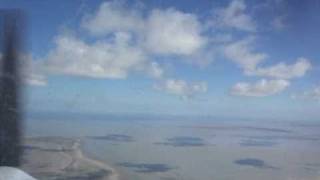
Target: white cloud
x=111, y=17
x=259, y=89
x=182, y=88
x=241, y=52
x=132, y=42
x=313, y=94
x=101, y=59
x=285, y=71
x=164, y=32
x=234, y=16
x=173, y=32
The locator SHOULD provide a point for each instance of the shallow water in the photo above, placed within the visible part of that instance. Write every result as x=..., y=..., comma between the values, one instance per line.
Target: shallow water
x=195, y=149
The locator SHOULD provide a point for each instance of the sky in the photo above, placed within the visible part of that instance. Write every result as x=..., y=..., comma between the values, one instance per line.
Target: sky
x=233, y=59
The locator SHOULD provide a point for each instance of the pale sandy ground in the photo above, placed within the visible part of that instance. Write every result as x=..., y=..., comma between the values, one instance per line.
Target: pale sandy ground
x=62, y=159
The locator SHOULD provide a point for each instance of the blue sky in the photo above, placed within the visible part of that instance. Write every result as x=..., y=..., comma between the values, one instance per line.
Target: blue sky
x=236, y=59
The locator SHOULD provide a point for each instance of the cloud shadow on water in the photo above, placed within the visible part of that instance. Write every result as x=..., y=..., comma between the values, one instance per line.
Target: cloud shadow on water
x=183, y=141
x=146, y=167
x=114, y=138
x=315, y=167
x=253, y=162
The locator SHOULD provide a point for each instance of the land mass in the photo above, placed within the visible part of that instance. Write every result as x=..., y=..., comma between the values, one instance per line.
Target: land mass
x=57, y=158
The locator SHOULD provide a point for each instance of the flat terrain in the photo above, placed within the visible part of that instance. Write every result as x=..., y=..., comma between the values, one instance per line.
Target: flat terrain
x=57, y=158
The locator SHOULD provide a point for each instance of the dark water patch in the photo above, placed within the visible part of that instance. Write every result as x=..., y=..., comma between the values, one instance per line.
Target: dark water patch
x=253, y=162
x=311, y=169
x=312, y=166
x=114, y=138
x=183, y=141
x=168, y=178
x=257, y=143
x=94, y=175
x=146, y=167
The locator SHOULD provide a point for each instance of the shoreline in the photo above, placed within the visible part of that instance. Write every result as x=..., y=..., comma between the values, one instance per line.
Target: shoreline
x=79, y=154
x=60, y=158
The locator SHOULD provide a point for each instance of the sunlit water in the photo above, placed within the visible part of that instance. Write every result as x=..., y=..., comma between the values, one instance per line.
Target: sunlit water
x=194, y=149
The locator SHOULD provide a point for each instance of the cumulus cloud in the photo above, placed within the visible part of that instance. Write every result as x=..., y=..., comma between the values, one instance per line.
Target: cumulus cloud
x=113, y=16
x=285, y=71
x=101, y=59
x=235, y=16
x=241, y=52
x=313, y=94
x=129, y=44
x=133, y=40
x=162, y=31
x=173, y=32
x=181, y=87
x=259, y=89
x=126, y=41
